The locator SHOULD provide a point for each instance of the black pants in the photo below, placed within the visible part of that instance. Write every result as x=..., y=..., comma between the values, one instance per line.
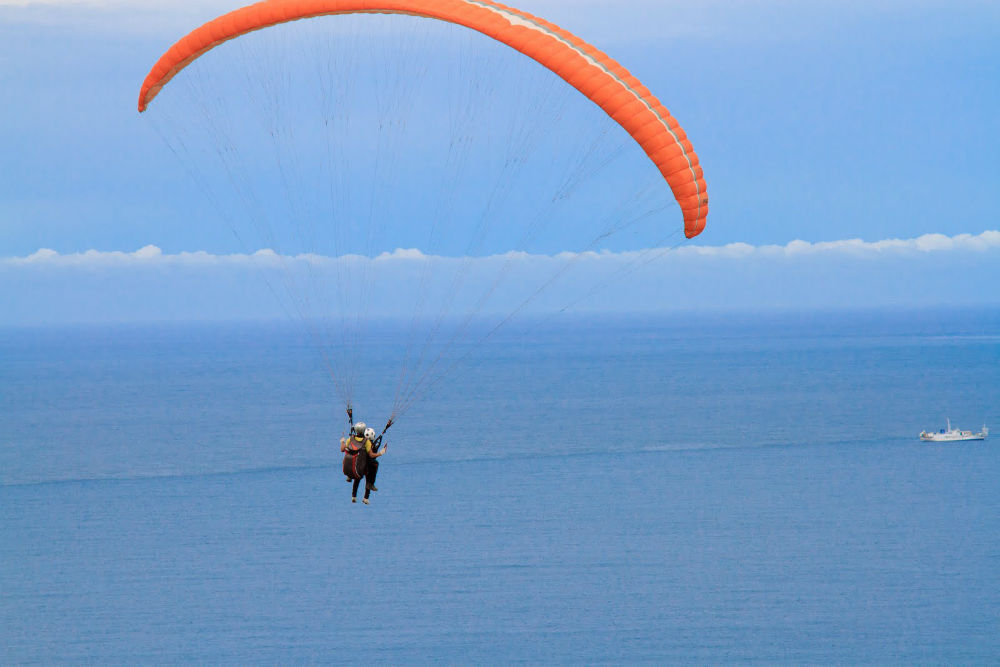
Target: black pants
x=371, y=471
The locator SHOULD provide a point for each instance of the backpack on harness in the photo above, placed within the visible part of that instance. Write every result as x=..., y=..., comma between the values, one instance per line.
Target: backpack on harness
x=355, y=460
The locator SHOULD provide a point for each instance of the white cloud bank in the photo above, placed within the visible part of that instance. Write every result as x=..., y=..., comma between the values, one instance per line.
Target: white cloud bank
x=928, y=243
x=151, y=255
x=149, y=285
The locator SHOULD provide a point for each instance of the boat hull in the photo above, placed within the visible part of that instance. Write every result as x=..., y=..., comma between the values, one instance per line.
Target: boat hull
x=953, y=435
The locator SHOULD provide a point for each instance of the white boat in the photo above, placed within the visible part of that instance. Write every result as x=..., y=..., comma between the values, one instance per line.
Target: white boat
x=953, y=435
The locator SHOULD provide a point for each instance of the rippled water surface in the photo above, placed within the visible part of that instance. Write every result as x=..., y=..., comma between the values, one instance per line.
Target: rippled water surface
x=718, y=489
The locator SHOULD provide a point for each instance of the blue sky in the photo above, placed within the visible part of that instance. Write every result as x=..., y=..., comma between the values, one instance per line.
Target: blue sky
x=819, y=121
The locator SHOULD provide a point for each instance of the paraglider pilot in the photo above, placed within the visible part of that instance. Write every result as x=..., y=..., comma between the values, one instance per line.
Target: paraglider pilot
x=372, y=450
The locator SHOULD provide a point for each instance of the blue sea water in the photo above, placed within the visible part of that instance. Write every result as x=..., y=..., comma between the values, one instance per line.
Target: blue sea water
x=694, y=489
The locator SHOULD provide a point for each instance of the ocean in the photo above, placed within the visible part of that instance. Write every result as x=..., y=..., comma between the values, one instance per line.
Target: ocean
x=690, y=488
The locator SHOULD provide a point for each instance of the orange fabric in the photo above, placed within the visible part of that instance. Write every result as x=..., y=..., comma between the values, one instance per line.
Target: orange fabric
x=672, y=154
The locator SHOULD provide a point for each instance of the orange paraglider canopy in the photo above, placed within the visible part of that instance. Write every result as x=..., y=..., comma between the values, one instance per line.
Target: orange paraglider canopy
x=593, y=73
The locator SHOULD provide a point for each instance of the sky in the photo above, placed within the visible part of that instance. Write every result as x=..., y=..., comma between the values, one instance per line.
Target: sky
x=850, y=150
